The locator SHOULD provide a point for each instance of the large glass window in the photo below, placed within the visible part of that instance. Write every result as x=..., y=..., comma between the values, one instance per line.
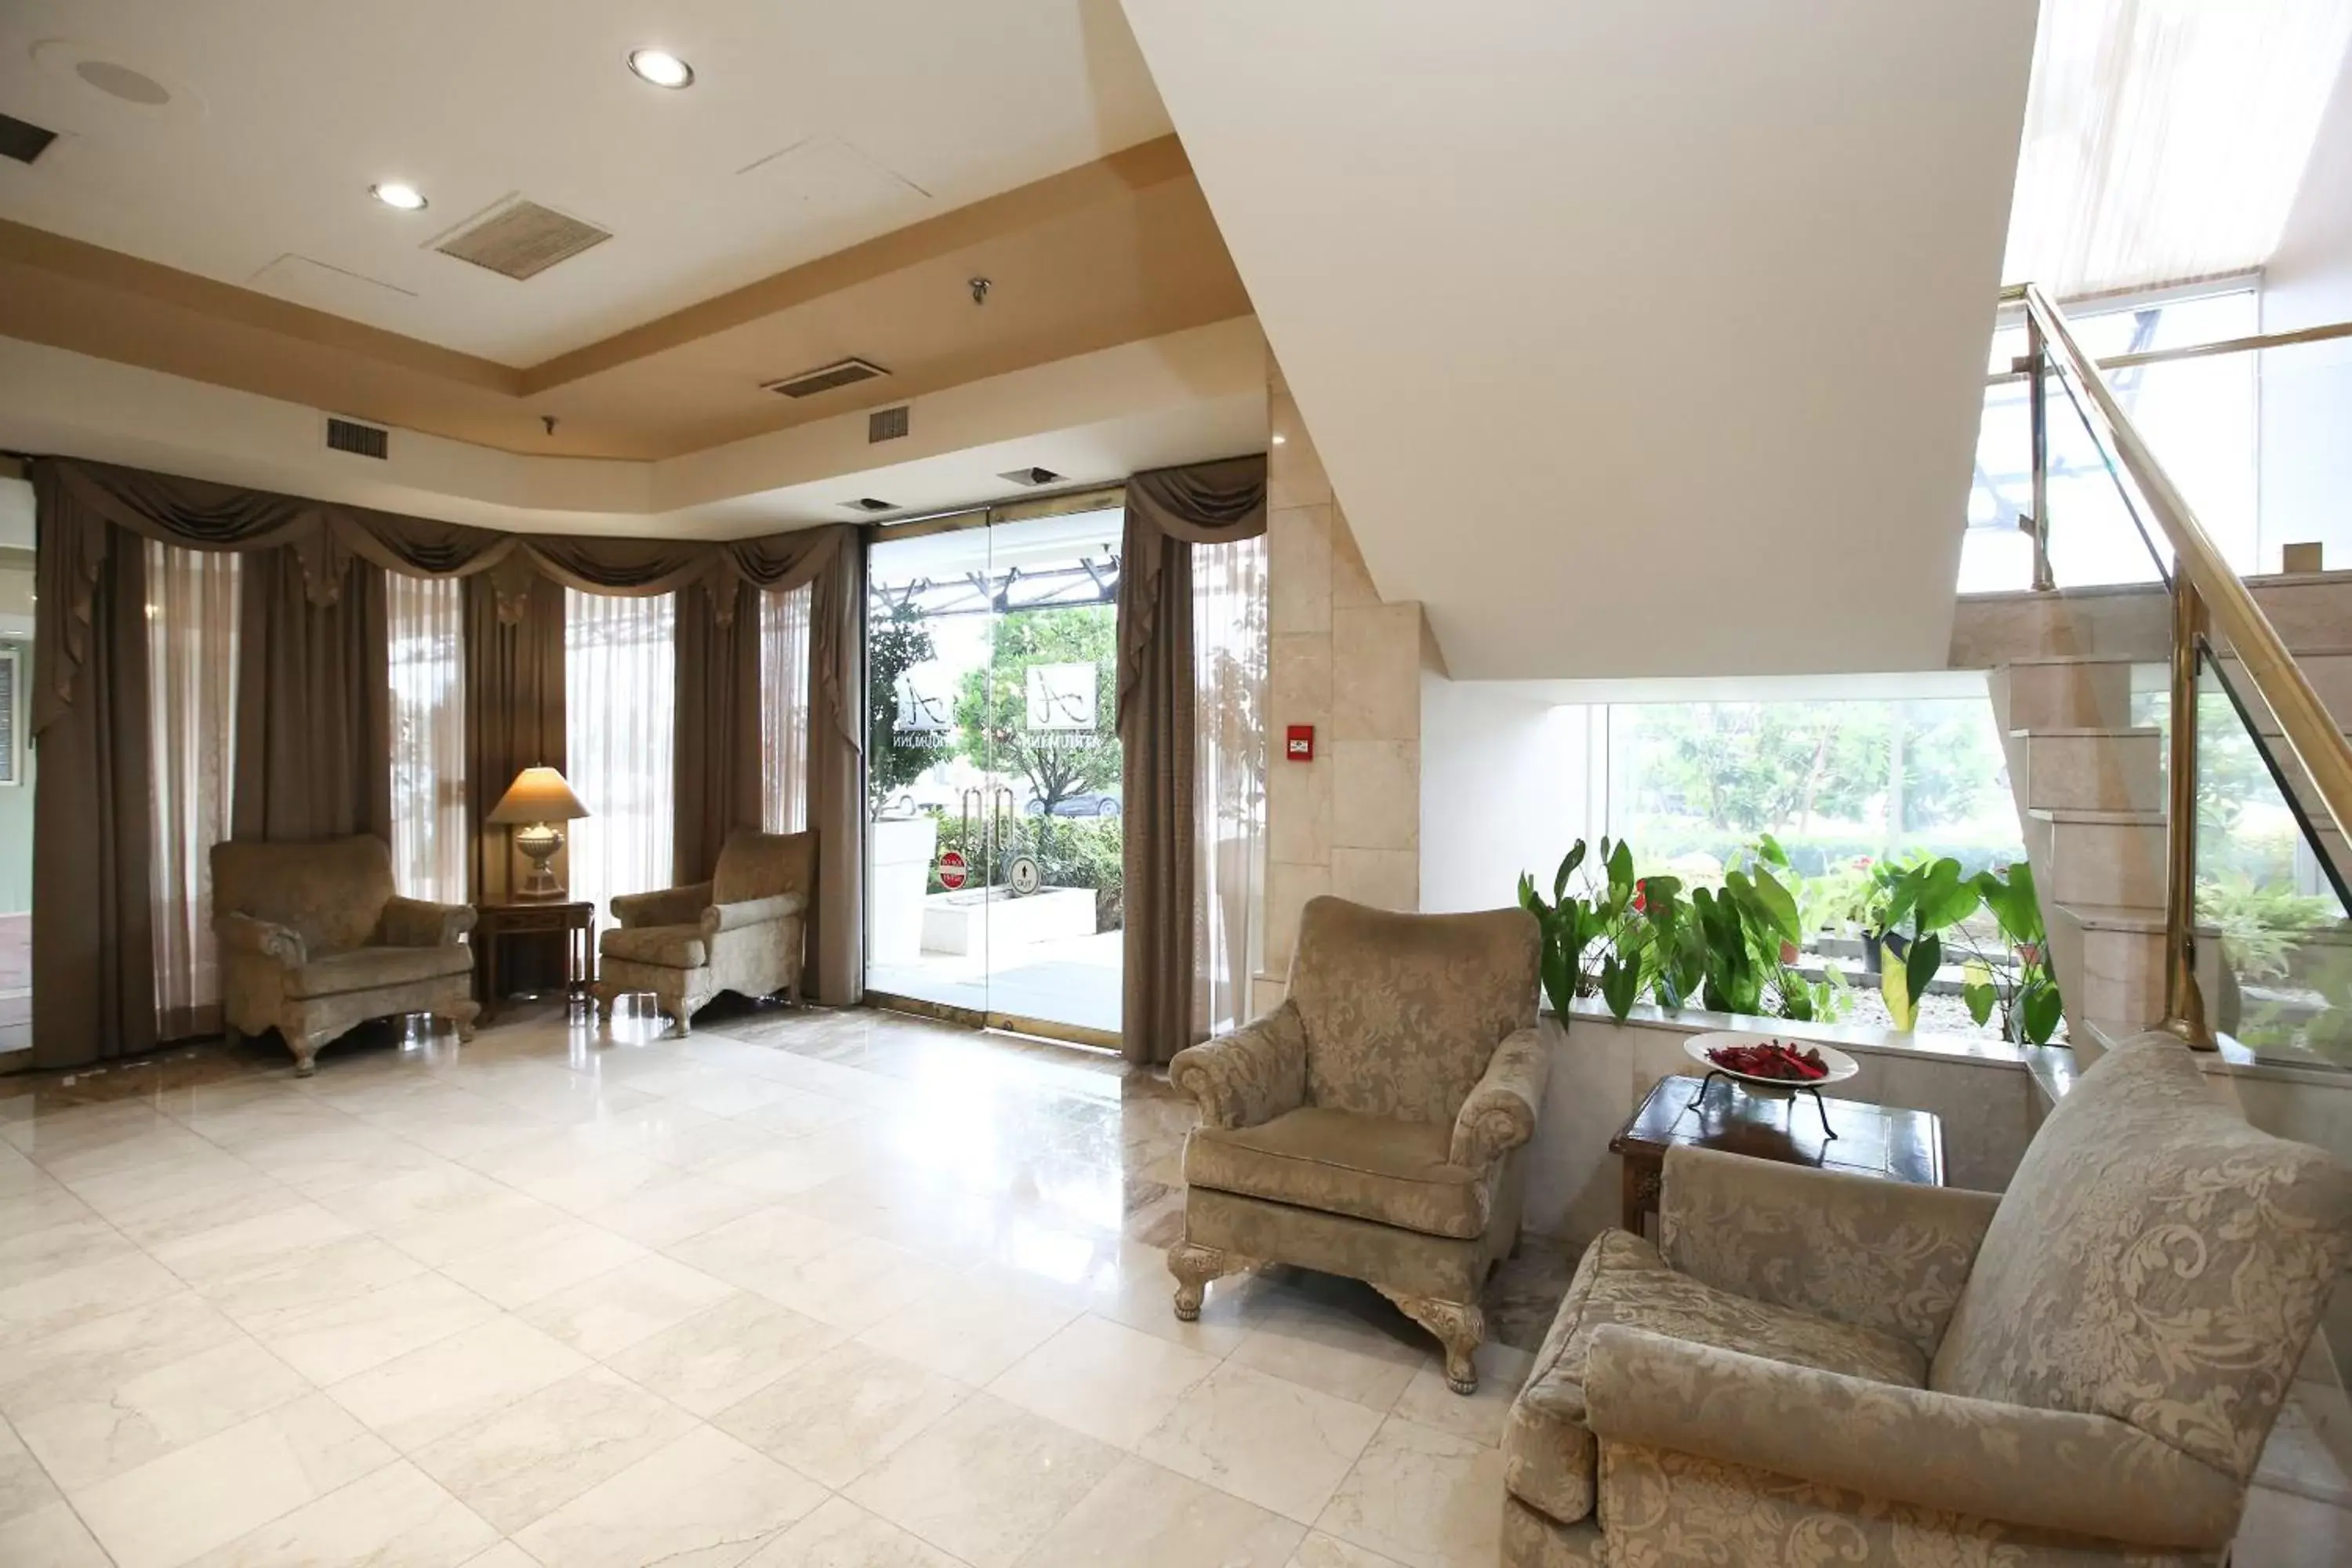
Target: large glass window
x=620, y=696
x=426, y=618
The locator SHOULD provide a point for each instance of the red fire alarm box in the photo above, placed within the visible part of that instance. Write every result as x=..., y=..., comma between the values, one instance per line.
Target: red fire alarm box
x=1300, y=745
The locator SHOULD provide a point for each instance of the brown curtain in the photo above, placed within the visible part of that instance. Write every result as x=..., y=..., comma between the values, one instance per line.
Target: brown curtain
x=514, y=708
x=93, y=935
x=715, y=735
x=313, y=704
x=836, y=791
x=1169, y=511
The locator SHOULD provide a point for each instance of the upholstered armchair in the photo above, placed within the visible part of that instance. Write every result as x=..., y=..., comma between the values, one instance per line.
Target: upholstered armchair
x=1814, y=1368
x=743, y=931
x=313, y=942
x=1373, y=1124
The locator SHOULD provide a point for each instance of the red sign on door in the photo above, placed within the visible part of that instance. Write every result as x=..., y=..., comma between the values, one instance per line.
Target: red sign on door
x=951, y=869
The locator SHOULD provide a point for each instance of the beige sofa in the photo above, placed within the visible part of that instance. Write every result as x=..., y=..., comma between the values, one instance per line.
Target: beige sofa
x=1371, y=1126
x=313, y=942
x=1814, y=1368
x=744, y=930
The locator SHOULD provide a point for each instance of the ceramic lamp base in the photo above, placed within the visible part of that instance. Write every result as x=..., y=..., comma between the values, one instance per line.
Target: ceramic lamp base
x=539, y=843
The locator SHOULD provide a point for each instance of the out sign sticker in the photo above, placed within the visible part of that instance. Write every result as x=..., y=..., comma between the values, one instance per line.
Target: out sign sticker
x=951, y=869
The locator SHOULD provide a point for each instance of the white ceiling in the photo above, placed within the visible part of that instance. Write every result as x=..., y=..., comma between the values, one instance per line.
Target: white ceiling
x=810, y=128
x=1636, y=340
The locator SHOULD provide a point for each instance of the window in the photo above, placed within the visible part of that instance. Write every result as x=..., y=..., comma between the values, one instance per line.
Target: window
x=427, y=661
x=621, y=696
x=191, y=658
x=784, y=709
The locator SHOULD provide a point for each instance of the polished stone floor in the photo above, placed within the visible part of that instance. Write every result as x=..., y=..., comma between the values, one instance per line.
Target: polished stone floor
x=838, y=1289
x=811, y=1289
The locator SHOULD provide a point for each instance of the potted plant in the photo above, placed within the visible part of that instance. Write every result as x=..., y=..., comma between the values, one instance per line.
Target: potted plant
x=1922, y=901
x=2023, y=988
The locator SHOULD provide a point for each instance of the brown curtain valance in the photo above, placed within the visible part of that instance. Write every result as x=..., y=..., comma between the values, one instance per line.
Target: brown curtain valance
x=1169, y=511
x=79, y=498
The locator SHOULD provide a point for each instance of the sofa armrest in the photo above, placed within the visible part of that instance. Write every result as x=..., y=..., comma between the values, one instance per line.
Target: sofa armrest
x=663, y=907
x=1249, y=1077
x=2044, y=1469
x=717, y=918
x=417, y=922
x=1500, y=1114
x=1880, y=1255
x=243, y=933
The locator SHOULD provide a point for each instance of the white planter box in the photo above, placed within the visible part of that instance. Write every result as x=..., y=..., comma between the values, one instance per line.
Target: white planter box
x=898, y=860
x=953, y=922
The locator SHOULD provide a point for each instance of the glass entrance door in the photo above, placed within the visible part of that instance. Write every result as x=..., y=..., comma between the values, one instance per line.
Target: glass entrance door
x=994, y=845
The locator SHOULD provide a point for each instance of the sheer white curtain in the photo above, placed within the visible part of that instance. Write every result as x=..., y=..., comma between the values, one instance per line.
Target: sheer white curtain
x=784, y=709
x=1229, y=666
x=2165, y=139
x=191, y=657
x=426, y=621
x=620, y=693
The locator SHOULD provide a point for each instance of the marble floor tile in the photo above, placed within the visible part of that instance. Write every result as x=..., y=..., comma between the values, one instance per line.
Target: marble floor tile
x=718, y=1356
x=1480, y=1416
x=264, y=1298
x=176, y=1508
x=395, y=1517
x=500, y=1218
x=1141, y=1293
x=25, y=1485
x=856, y=1283
x=842, y=1412
x=763, y=1248
x=840, y=1534
x=1143, y=1516
x=609, y=1312
x=986, y=1482
x=665, y=1212
x=50, y=1537
x=42, y=1305
x=531, y=1269
x=1425, y=1498
x=520, y=1463
x=1321, y=1551
x=1104, y=1379
x=1278, y=1444
x=1352, y=1347
x=254, y=1245
x=40, y=1203
x=704, y=1499
x=973, y=1330
x=349, y=1335
x=428, y=1393
x=85, y=1359
x=85, y=1441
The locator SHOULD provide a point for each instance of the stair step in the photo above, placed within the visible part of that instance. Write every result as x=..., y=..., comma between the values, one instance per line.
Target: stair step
x=2047, y=694
x=2095, y=814
x=2108, y=857
x=2088, y=769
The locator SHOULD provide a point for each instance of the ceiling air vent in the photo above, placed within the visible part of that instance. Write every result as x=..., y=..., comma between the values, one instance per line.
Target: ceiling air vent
x=1031, y=476
x=869, y=503
x=886, y=424
x=522, y=239
x=21, y=140
x=808, y=384
x=365, y=440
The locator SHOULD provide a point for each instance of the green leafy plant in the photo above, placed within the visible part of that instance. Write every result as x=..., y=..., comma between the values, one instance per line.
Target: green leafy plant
x=2261, y=924
x=1588, y=929
x=1921, y=901
x=2019, y=983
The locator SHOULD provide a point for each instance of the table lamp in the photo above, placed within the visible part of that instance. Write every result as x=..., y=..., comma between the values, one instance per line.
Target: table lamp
x=536, y=805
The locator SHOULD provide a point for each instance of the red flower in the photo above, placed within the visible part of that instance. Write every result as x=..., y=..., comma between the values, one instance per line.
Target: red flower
x=1642, y=896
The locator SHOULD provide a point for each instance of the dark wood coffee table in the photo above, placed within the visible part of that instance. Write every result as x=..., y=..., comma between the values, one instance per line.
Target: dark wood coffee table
x=1892, y=1144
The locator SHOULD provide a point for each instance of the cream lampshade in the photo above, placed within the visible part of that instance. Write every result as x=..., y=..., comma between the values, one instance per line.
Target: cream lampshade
x=536, y=805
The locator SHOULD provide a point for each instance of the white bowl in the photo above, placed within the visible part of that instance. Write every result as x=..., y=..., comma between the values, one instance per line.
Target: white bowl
x=1842, y=1066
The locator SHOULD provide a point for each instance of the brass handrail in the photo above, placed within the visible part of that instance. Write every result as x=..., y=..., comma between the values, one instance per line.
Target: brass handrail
x=2207, y=592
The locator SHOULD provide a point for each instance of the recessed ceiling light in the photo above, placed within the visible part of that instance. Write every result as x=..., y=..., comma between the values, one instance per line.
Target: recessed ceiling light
x=661, y=67
x=393, y=193
x=1279, y=437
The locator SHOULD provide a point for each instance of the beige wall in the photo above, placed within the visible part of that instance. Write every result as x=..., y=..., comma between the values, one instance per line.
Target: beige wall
x=1349, y=664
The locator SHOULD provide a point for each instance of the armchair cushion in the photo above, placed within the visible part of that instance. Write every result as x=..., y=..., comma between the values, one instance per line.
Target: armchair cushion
x=1879, y=1255
x=1500, y=1114
x=369, y=968
x=1402, y=1012
x=2045, y=1469
x=1548, y=1451
x=1368, y=1166
x=1248, y=1077
x=672, y=946
x=2155, y=1260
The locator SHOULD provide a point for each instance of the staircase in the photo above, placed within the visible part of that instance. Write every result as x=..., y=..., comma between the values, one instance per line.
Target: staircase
x=2089, y=784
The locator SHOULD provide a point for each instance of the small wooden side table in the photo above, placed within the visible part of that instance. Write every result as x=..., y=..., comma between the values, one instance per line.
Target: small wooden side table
x=493, y=923
x=1878, y=1140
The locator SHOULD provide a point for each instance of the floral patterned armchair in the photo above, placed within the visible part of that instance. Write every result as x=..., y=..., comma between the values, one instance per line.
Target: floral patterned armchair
x=744, y=930
x=1814, y=1368
x=1372, y=1125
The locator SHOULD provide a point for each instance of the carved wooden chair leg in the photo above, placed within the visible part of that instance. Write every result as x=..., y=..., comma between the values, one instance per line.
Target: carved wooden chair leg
x=1460, y=1327
x=1194, y=1266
